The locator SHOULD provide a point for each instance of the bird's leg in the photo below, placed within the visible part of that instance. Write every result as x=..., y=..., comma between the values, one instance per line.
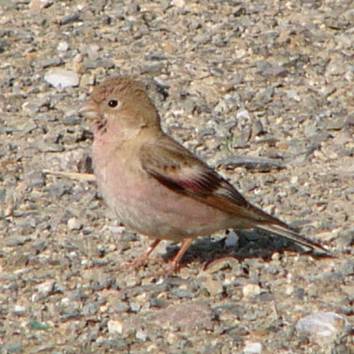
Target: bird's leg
x=138, y=262
x=174, y=264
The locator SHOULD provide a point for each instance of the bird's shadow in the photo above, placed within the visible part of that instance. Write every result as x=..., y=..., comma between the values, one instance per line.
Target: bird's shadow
x=250, y=244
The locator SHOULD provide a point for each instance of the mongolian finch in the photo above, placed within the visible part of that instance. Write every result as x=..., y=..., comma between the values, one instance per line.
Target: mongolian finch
x=153, y=184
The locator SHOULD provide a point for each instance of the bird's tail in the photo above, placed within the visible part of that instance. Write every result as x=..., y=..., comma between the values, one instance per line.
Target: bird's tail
x=288, y=233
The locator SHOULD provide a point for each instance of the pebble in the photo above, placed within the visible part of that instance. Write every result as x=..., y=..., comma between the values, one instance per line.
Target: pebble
x=98, y=63
x=182, y=293
x=19, y=310
x=61, y=78
x=39, y=326
x=90, y=309
x=322, y=327
x=345, y=238
x=213, y=286
x=35, y=179
x=252, y=348
x=187, y=315
x=13, y=347
x=115, y=327
x=70, y=18
x=134, y=307
x=37, y=5
x=92, y=51
x=250, y=162
x=222, y=264
x=47, y=62
x=231, y=240
x=74, y=224
x=347, y=268
x=141, y=335
x=121, y=307
x=44, y=290
x=178, y=3
x=62, y=46
x=14, y=241
x=268, y=69
x=251, y=290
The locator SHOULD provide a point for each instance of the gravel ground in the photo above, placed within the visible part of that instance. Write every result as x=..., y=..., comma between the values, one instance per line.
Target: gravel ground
x=262, y=90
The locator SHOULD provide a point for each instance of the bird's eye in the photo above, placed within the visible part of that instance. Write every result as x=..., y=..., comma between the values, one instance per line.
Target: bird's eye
x=112, y=103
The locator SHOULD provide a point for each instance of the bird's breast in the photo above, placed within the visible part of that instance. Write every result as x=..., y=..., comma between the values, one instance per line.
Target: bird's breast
x=146, y=206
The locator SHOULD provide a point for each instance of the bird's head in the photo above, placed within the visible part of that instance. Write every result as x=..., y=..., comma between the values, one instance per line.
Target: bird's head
x=120, y=107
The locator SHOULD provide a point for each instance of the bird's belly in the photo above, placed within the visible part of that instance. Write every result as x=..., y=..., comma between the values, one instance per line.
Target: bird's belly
x=144, y=205
x=158, y=221
x=173, y=220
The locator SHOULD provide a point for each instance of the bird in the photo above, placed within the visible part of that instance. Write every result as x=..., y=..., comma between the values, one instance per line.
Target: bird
x=154, y=185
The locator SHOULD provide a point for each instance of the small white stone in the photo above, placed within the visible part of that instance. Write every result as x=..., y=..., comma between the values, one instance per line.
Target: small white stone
x=292, y=94
x=178, y=3
x=294, y=179
x=43, y=290
x=74, y=224
x=135, y=307
x=152, y=348
x=289, y=290
x=251, y=290
x=63, y=46
x=92, y=51
x=115, y=327
x=61, y=78
x=118, y=230
x=78, y=58
x=131, y=282
x=275, y=256
x=46, y=287
x=19, y=310
x=252, y=348
x=243, y=114
x=65, y=301
x=231, y=240
x=141, y=335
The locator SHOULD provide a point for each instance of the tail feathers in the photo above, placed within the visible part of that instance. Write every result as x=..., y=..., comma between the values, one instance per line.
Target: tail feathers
x=291, y=235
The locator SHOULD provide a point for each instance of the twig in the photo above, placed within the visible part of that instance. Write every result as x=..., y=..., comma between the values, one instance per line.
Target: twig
x=72, y=175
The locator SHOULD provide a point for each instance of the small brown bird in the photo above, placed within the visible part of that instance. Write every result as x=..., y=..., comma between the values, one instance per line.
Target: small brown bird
x=154, y=185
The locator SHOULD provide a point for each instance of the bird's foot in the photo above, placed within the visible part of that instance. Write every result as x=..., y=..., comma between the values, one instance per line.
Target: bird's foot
x=137, y=263
x=171, y=268
x=174, y=265
x=141, y=261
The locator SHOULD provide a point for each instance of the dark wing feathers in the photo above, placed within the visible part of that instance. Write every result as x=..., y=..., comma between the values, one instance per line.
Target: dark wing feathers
x=176, y=168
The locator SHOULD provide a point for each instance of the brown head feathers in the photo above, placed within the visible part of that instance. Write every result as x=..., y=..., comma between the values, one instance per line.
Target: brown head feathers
x=127, y=97
x=117, y=85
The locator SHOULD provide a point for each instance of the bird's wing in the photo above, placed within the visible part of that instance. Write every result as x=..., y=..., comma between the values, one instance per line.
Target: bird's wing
x=179, y=170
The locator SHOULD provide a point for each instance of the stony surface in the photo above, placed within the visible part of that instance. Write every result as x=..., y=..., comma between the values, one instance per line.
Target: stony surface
x=262, y=90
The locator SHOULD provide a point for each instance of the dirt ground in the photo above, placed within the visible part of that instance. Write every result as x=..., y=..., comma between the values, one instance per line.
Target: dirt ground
x=261, y=90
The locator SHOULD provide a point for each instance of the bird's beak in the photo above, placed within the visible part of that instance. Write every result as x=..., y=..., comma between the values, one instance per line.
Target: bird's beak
x=89, y=111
